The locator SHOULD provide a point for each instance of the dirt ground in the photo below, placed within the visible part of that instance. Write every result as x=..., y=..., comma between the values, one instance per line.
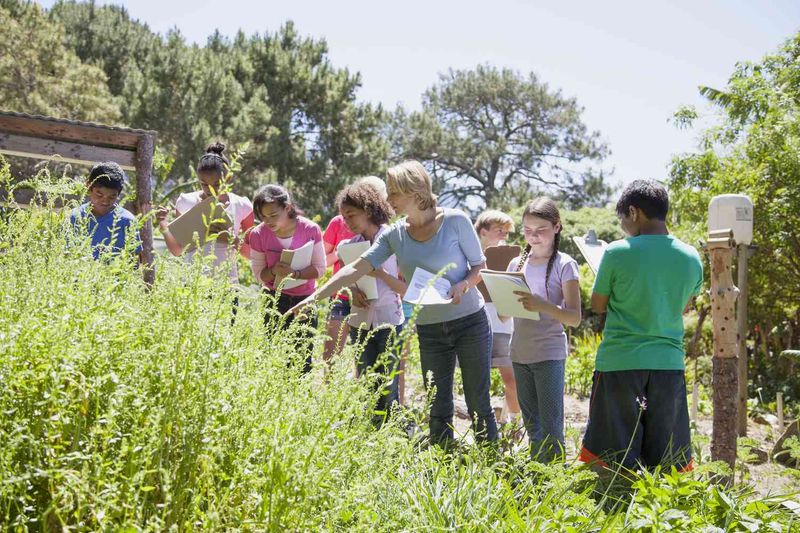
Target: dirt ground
x=767, y=478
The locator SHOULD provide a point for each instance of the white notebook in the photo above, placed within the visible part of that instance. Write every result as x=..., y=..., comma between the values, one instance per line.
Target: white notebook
x=349, y=253
x=298, y=259
x=501, y=285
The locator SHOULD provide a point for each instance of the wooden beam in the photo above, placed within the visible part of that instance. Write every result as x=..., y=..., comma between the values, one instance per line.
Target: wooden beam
x=144, y=197
x=19, y=145
x=66, y=131
x=743, y=251
x=726, y=346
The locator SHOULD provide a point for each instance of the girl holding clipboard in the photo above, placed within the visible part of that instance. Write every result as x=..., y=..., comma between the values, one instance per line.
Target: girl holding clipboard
x=539, y=347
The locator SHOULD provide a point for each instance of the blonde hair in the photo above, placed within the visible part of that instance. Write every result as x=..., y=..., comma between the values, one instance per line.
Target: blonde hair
x=410, y=177
x=492, y=216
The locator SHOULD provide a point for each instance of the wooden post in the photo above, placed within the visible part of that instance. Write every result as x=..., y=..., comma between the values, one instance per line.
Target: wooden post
x=779, y=408
x=726, y=346
x=144, y=197
x=743, y=251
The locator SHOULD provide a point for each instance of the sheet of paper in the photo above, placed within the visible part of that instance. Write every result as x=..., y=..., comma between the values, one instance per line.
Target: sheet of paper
x=298, y=259
x=502, y=285
x=193, y=224
x=424, y=289
x=592, y=249
x=349, y=253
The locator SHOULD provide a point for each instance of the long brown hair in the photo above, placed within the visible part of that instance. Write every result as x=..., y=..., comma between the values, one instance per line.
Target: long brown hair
x=544, y=208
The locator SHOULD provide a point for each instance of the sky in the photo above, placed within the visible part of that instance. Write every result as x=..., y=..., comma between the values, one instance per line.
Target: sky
x=630, y=64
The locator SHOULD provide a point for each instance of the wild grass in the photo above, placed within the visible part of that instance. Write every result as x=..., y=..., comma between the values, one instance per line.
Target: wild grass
x=129, y=408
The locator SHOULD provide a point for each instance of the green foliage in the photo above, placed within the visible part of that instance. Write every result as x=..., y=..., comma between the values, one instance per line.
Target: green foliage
x=277, y=90
x=580, y=365
x=754, y=149
x=42, y=76
x=135, y=408
x=488, y=133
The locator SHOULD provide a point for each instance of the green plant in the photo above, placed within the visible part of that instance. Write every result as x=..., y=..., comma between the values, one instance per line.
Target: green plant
x=128, y=407
x=580, y=365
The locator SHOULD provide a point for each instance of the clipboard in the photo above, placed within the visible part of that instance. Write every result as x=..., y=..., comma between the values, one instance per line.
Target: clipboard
x=501, y=285
x=591, y=248
x=298, y=259
x=497, y=259
x=196, y=221
x=349, y=252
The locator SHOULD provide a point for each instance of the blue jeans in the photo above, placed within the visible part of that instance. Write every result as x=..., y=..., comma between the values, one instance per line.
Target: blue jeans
x=469, y=338
x=540, y=391
x=380, y=354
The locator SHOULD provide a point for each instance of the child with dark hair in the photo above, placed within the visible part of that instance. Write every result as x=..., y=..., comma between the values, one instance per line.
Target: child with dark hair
x=109, y=225
x=335, y=233
x=375, y=324
x=213, y=172
x=282, y=228
x=539, y=347
x=637, y=411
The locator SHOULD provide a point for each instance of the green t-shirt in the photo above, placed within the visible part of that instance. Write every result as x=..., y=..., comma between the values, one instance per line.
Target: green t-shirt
x=649, y=280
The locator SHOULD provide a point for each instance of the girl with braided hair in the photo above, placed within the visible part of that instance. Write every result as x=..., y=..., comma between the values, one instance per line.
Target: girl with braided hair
x=539, y=347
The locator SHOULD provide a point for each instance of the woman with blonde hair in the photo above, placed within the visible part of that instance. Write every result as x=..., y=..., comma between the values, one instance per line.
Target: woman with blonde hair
x=434, y=238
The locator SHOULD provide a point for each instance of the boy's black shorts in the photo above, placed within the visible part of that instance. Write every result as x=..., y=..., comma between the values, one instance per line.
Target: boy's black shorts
x=616, y=433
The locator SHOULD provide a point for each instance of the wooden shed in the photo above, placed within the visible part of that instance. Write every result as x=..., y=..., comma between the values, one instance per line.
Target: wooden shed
x=49, y=138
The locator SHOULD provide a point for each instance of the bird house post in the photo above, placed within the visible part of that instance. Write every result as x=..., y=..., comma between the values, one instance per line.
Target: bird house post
x=720, y=246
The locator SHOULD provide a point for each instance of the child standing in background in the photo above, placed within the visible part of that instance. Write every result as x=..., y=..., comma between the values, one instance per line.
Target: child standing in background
x=539, y=347
x=493, y=228
x=213, y=172
x=336, y=232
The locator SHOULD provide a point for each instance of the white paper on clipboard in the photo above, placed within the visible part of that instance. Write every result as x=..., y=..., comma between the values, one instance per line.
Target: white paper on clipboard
x=299, y=259
x=591, y=248
x=502, y=286
x=425, y=289
x=349, y=252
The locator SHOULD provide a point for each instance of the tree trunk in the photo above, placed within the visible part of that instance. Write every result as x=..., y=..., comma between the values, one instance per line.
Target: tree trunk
x=726, y=346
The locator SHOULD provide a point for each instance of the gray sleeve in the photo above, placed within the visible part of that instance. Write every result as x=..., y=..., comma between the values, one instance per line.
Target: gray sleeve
x=381, y=250
x=468, y=239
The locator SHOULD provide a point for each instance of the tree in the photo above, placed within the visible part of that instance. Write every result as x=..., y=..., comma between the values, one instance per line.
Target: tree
x=487, y=131
x=278, y=92
x=754, y=150
x=41, y=76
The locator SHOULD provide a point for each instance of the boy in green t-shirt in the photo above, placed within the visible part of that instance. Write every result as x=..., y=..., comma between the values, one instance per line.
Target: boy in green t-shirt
x=638, y=411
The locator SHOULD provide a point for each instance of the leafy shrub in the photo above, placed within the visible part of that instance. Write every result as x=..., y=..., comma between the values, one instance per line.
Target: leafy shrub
x=580, y=365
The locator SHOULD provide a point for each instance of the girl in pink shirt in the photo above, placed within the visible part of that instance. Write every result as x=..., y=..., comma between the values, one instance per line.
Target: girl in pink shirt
x=282, y=228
